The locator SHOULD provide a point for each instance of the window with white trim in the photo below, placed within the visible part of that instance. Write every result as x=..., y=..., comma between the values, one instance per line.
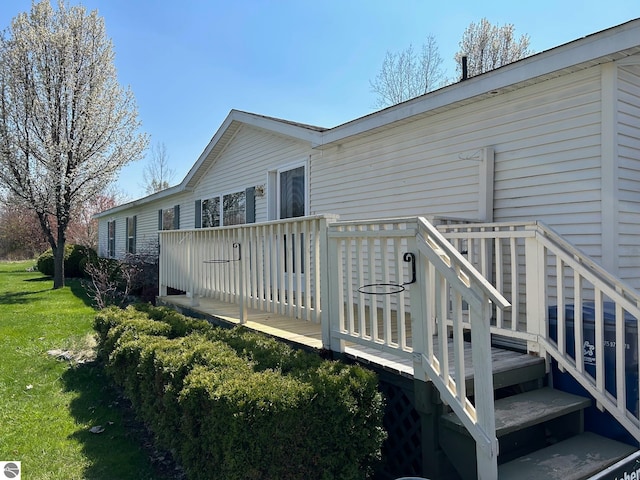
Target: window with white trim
x=292, y=188
x=234, y=208
x=211, y=212
x=131, y=234
x=168, y=218
x=111, y=238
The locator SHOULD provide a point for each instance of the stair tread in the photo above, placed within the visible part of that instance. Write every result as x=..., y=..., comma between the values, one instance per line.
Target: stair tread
x=576, y=458
x=526, y=409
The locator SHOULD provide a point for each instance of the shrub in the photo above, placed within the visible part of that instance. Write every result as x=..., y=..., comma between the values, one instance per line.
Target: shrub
x=248, y=427
x=235, y=404
x=266, y=352
x=181, y=325
x=75, y=259
x=78, y=256
x=45, y=263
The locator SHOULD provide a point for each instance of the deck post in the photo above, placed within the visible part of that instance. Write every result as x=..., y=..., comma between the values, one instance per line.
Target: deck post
x=331, y=321
x=487, y=455
x=535, y=268
x=418, y=298
x=162, y=284
x=240, y=272
x=191, y=259
x=325, y=289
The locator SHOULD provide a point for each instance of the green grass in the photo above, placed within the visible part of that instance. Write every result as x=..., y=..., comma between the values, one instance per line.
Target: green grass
x=48, y=405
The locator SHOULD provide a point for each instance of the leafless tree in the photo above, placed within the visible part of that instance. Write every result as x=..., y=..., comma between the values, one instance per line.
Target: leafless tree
x=66, y=125
x=488, y=47
x=157, y=175
x=408, y=74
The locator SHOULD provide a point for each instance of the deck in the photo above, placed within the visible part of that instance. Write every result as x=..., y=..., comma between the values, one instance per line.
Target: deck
x=309, y=335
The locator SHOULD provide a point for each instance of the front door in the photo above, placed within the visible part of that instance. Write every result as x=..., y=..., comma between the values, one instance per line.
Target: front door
x=292, y=192
x=292, y=202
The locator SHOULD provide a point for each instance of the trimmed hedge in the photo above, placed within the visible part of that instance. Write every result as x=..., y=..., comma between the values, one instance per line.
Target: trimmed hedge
x=235, y=404
x=75, y=258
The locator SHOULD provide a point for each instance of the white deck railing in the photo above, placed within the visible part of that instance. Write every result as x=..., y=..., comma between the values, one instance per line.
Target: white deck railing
x=565, y=305
x=274, y=266
x=357, y=280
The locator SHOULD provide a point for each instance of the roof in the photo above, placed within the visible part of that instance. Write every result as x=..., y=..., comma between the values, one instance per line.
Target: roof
x=609, y=45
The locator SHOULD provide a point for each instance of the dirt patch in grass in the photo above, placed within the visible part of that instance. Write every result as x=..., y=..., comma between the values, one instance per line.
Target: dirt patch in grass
x=78, y=351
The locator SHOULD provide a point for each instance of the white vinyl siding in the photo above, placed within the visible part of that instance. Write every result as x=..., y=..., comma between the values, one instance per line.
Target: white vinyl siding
x=245, y=162
x=629, y=173
x=547, y=164
x=146, y=225
x=412, y=169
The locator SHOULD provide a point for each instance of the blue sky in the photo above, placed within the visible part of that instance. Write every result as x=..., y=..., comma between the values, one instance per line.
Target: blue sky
x=190, y=62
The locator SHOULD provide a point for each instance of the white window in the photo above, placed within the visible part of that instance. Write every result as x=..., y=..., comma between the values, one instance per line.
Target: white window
x=168, y=218
x=224, y=210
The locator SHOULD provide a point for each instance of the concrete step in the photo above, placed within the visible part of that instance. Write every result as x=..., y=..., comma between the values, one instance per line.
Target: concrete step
x=576, y=458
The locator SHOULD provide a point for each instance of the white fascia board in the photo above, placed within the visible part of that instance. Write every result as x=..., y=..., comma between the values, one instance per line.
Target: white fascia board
x=281, y=127
x=167, y=192
x=212, y=143
x=582, y=51
x=272, y=125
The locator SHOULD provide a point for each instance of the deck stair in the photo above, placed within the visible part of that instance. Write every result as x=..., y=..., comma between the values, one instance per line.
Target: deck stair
x=541, y=435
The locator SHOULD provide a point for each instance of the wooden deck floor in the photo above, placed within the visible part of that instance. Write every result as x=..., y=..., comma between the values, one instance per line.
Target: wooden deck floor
x=309, y=335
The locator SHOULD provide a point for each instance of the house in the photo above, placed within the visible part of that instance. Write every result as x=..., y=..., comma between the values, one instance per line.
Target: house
x=545, y=150
x=553, y=137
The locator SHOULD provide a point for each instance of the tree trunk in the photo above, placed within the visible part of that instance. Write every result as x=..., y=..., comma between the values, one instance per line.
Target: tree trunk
x=58, y=265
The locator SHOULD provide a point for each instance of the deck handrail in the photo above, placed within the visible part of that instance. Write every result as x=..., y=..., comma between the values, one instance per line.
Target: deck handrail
x=560, y=279
x=469, y=285
x=371, y=253
x=625, y=299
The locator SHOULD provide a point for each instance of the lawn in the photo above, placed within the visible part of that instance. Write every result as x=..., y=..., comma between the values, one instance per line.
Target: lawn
x=49, y=405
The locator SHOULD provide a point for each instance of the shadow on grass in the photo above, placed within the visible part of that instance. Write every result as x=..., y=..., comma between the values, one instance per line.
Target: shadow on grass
x=78, y=289
x=74, y=284
x=39, y=279
x=122, y=449
x=18, y=298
